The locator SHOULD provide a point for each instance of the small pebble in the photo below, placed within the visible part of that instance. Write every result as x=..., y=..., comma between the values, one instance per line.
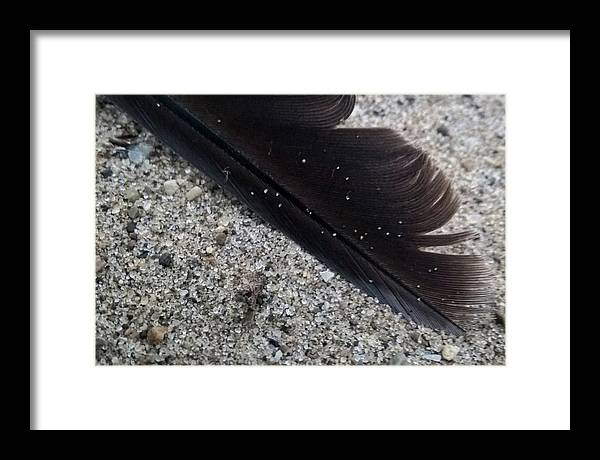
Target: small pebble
x=133, y=212
x=494, y=162
x=416, y=336
x=449, y=352
x=443, y=131
x=468, y=165
x=138, y=153
x=193, y=193
x=171, y=187
x=399, y=360
x=156, y=334
x=220, y=237
x=99, y=264
x=106, y=172
x=166, y=260
x=132, y=195
x=432, y=357
x=131, y=333
x=327, y=275
x=119, y=142
x=500, y=317
x=131, y=227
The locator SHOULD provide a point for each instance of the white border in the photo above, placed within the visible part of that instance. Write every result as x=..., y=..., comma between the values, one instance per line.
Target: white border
x=532, y=391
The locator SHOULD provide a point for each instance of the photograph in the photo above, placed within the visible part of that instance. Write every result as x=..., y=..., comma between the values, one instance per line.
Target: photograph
x=300, y=229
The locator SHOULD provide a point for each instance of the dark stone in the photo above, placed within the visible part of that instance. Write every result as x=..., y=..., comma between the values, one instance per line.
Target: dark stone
x=273, y=342
x=443, y=131
x=119, y=142
x=166, y=260
x=221, y=238
x=410, y=99
x=120, y=153
x=195, y=262
x=106, y=173
x=131, y=227
x=143, y=254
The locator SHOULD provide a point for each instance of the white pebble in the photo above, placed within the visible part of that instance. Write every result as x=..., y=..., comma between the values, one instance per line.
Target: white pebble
x=432, y=357
x=449, y=352
x=171, y=186
x=327, y=275
x=193, y=193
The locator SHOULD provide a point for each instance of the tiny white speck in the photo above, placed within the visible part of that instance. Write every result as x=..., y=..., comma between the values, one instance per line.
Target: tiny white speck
x=334, y=234
x=370, y=281
x=303, y=160
x=347, y=197
x=399, y=221
x=419, y=299
x=366, y=233
x=251, y=193
x=347, y=178
x=277, y=194
x=435, y=269
x=418, y=285
x=361, y=237
x=429, y=270
x=371, y=247
x=322, y=232
x=265, y=190
x=355, y=230
x=219, y=121
x=157, y=104
x=378, y=228
x=337, y=167
x=387, y=233
x=399, y=235
x=279, y=205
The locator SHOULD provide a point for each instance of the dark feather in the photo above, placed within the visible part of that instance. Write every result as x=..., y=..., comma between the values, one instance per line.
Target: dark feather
x=364, y=201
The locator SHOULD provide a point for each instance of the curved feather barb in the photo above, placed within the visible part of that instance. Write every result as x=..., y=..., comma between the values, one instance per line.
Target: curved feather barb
x=363, y=201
